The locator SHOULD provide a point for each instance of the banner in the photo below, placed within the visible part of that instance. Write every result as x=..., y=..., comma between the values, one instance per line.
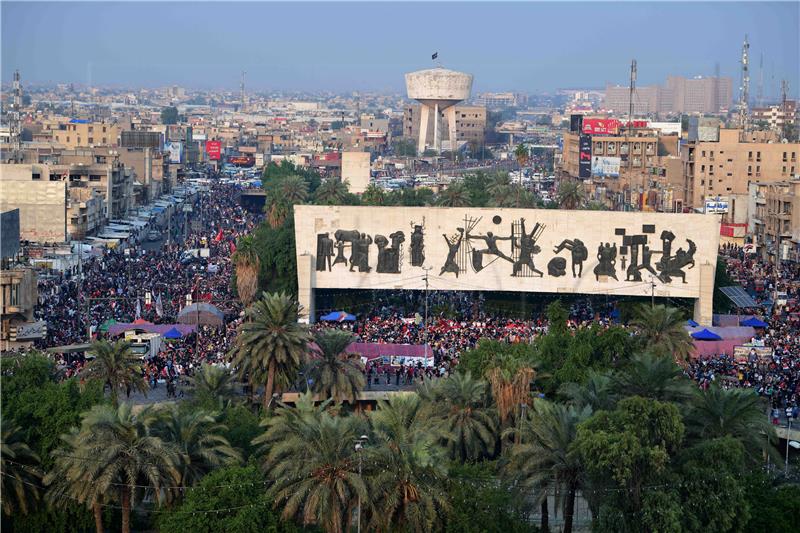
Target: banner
x=600, y=126
x=716, y=206
x=605, y=167
x=174, y=149
x=214, y=150
x=585, y=157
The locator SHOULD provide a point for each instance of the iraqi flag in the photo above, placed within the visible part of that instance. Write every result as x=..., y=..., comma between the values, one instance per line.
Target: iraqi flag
x=219, y=236
x=159, y=306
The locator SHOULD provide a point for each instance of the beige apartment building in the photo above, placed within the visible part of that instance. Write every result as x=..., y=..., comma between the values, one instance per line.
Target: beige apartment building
x=678, y=95
x=776, y=221
x=470, y=124
x=83, y=134
x=67, y=200
x=18, y=297
x=647, y=162
x=725, y=168
x=775, y=116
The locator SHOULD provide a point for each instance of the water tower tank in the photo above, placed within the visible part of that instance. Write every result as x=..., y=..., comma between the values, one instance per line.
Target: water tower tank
x=437, y=89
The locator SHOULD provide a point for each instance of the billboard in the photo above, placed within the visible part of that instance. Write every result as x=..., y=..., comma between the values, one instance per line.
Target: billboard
x=9, y=228
x=575, y=122
x=174, y=149
x=585, y=157
x=716, y=206
x=600, y=126
x=666, y=128
x=605, y=167
x=214, y=150
x=141, y=139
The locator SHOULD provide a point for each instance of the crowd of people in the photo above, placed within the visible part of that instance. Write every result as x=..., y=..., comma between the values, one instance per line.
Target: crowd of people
x=777, y=376
x=154, y=285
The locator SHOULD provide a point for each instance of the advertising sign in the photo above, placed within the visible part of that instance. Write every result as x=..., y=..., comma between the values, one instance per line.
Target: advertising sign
x=716, y=206
x=174, y=149
x=605, y=167
x=600, y=126
x=214, y=150
x=585, y=157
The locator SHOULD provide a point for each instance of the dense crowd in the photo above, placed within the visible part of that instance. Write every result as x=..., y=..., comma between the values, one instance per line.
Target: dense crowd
x=776, y=377
x=116, y=284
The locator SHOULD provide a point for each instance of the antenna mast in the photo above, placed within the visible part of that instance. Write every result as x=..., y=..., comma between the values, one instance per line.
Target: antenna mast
x=242, y=97
x=760, y=93
x=630, y=108
x=784, y=110
x=744, y=90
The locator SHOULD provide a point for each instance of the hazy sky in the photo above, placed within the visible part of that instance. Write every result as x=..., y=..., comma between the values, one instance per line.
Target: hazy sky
x=334, y=46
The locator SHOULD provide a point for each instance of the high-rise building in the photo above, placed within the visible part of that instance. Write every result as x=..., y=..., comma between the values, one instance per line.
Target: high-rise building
x=678, y=95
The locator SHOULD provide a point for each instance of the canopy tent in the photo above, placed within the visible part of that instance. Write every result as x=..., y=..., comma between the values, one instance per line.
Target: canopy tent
x=105, y=325
x=173, y=334
x=705, y=335
x=141, y=321
x=385, y=354
x=201, y=313
x=338, y=316
x=692, y=323
x=754, y=323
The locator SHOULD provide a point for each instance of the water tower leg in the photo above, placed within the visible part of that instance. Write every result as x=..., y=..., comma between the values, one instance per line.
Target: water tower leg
x=437, y=141
x=424, y=116
x=451, y=127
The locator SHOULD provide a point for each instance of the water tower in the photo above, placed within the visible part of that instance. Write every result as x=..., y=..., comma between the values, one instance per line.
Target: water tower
x=438, y=90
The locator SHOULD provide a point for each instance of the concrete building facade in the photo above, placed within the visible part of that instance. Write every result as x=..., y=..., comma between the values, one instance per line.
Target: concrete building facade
x=678, y=95
x=776, y=221
x=470, y=124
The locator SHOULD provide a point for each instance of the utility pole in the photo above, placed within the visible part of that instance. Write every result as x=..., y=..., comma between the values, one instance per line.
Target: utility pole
x=426, y=269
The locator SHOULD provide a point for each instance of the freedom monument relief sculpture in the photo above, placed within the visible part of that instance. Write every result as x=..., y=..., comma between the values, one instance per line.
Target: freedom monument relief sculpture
x=498, y=249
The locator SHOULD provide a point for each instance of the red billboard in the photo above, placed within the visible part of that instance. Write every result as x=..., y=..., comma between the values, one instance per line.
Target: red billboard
x=600, y=126
x=214, y=150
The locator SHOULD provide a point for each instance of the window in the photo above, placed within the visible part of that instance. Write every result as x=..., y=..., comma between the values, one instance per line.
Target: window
x=67, y=138
x=36, y=176
x=750, y=156
x=91, y=129
x=104, y=129
x=704, y=153
x=13, y=297
x=94, y=177
x=91, y=140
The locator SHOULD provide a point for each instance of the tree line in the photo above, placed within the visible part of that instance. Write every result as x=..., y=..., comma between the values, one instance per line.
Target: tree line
x=600, y=416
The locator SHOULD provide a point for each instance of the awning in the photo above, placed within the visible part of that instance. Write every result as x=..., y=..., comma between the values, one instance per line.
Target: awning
x=705, y=335
x=338, y=316
x=754, y=323
x=201, y=313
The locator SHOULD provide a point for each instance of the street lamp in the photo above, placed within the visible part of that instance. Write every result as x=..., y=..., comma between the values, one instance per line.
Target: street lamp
x=789, y=442
x=359, y=445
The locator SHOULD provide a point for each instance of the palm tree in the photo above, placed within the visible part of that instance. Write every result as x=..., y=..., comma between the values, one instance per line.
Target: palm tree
x=312, y=459
x=522, y=155
x=332, y=191
x=211, y=384
x=117, y=366
x=271, y=344
x=248, y=266
x=570, y=194
x=511, y=380
x=20, y=474
x=198, y=437
x=406, y=467
x=652, y=376
x=333, y=372
x=596, y=392
x=285, y=193
x=662, y=331
x=737, y=413
x=459, y=408
x=110, y=456
x=545, y=457
x=499, y=189
x=455, y=195
x=373, y=195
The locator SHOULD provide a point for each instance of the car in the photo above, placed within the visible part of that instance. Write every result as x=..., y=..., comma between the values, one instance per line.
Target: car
x=153, y=235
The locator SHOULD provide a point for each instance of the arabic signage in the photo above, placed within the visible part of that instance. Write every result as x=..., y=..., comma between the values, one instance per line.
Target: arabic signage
x=585, y=157
x=214, y=150
x=174, y=149
x=600, y=126
x=716, y=206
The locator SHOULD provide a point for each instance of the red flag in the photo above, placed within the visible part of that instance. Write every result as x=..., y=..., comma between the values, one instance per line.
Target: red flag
x=219, y=236
x=233, y=248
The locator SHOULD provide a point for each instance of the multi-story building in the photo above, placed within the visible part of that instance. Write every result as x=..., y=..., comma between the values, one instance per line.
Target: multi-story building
x=776, y=221
x=638, y=175
x=470, y=124
x=499, y=100
x=726, y=167
x=77, y=133
x=774, y=116
x=678, y=95
x=18, y=297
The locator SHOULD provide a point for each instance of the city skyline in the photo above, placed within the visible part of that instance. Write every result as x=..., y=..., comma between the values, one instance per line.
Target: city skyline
x=369, y=46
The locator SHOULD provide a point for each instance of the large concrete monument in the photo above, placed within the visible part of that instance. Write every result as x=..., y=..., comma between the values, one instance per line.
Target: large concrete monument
x=492, y=249
x=438, y=90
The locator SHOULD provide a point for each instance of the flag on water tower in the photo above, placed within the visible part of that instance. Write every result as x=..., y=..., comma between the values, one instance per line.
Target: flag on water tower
x=434, y=56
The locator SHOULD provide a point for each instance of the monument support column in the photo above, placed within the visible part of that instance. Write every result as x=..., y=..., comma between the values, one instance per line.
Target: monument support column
x=451, y=127
x=305, y=285
x=424, y=116
x=704, y=304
